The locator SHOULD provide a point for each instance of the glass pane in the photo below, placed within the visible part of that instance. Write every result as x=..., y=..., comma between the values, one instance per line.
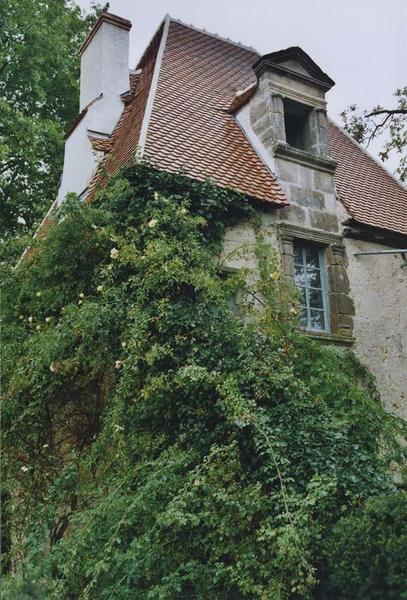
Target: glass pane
x=315, y=298
x=317, y=319
x=298, y=255
x=312, y=256
x=304, y=319
x=299, y=275
x=303, y=296
x=314, y=277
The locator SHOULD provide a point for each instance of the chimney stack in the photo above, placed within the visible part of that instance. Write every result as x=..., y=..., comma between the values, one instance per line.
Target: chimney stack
x=105, y=70
x=104, y=76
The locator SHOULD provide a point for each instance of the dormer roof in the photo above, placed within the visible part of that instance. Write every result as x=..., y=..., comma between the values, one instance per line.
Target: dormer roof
x=296, y=63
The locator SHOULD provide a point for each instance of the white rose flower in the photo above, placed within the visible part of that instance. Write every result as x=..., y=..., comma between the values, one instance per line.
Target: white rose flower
x=114, y=253
x=38, y=294
x=24, y=469
x=47, y=319
x=123, y=344
x=118, y=364
x=152, y=223
x=99, y=288
x=30, y=319
x=81, y=295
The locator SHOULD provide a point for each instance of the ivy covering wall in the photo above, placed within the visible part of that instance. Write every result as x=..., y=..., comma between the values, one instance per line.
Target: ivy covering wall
x=158, y=444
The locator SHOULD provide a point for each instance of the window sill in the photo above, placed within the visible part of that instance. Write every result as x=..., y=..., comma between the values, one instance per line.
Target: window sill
x=322, y=163
x=329, y=338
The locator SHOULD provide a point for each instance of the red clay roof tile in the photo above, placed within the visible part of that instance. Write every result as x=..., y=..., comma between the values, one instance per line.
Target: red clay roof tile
x=369, y=193
x=191, y=129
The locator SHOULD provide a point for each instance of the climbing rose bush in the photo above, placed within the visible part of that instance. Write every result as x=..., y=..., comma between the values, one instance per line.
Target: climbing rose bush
x=161, y=441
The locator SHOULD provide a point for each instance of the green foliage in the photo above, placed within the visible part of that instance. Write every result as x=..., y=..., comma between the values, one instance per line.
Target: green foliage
x=39, y=71
x=158, y=444
x=366, y=552
x=388, y=124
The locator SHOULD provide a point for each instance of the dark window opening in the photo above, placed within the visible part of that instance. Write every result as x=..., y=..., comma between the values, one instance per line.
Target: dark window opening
x=296, y=120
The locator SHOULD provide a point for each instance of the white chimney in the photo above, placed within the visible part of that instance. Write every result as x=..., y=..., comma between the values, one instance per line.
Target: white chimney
x=104, y=77
x=105, y=70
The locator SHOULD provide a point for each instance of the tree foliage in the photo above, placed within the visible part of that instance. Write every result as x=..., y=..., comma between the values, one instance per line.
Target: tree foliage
x=159, y=444
x=39, y=72
x=366, y=553
x=390, y=124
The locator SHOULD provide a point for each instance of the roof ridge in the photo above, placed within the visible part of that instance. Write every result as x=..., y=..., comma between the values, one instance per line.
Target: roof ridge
x=215, y=35
x=402, y=185
x=154, y=83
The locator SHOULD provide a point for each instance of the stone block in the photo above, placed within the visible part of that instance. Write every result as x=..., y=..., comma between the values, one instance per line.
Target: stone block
x=261, y=124
x=324, y=221
x=338, y=279
x=323, y=182
x=292, y=214
x=267, y=138
x=336, y=255
x=344, y=322
x=307, y=198
x=341, y=304
x=306, y=178
x=342, y=325
x=288, y=171
x=258, y=112
x=330, y=203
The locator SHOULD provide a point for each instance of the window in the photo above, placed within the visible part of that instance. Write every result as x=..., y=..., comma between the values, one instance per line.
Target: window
x=296, y=121
x=310, y=278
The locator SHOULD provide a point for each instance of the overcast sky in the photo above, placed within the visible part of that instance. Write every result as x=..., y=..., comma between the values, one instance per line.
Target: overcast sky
x=361, y=44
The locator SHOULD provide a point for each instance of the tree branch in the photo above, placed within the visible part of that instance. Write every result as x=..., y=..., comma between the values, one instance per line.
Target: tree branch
x=377, y=127
x=389, y=113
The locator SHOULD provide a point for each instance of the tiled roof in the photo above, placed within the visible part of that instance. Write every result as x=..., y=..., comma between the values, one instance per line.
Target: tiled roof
x=191, y=129
x=368, y=192
x=188, y=126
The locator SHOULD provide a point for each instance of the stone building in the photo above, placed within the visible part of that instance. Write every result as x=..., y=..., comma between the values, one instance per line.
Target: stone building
x=212, y=108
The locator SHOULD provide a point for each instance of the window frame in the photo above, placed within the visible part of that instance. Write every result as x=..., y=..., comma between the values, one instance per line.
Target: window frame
x=324, y=289
x=340, y=304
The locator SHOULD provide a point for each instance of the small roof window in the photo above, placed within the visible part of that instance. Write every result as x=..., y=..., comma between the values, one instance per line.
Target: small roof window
x=296, y=121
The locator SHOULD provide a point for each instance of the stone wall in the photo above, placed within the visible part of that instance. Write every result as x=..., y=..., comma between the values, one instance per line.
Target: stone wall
x=367, y=295
x=379, y=290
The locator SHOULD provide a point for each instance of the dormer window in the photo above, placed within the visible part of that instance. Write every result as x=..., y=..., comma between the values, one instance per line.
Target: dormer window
x=296, y=122
x=296, y=126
